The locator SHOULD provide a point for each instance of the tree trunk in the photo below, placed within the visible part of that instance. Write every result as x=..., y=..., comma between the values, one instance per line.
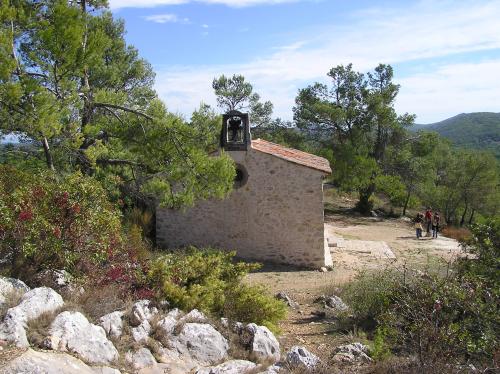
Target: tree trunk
x=462, y=220
x=364, y=204
x=471, y=216
x=48, y=155
x=407, y=200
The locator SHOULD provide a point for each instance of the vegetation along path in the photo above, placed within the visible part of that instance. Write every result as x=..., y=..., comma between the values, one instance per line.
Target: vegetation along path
x=306, y=325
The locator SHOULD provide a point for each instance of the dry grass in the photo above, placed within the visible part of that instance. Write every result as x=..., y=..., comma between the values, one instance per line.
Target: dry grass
x=12, y=299
x=96, y=302
x=458, y=233
x=38, y=328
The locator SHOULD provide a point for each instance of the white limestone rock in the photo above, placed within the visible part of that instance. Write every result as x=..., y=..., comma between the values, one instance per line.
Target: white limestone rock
x=194, y=316
x=174, y=313
x=166, y=326
x=261, y=342
x=351, y=353
x=336, y=303
x=112, y=323
x=140, y=359
x=9, y=285
x=105, y=370
x=142, y=310
x=299, y=357
x=275, y=369
x=59, y=280
x=33, y=304
x=170, y=368
x=34, y=362
x=229, y=367
x=71, y=331
x=202, y=343
x=283, y=296
x=141, y=333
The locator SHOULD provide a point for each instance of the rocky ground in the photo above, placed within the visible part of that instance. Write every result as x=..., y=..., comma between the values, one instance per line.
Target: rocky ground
x=40, y=332
x=363, y=246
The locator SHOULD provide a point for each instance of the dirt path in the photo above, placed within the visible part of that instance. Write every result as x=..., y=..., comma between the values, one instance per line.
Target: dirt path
x=364, y=246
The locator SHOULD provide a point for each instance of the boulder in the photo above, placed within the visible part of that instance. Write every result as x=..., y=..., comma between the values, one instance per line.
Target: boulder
x=260, y=342
x=336, y=303
x=141, y=333
x=46, y=363
x=33, y=304
x=176, y=362
x=170, y=368
x=9, y=285
x=174, y=313
x=351, y=353
x=105, y=370
x=229, y=367
x=202, y=343
x=194, y=316
x=142, y=310
x=300, y=358
x=71, y=331
x=112, y=323
x=59, y=280
x=140, y=359
x=272, y=369
x=286, y=299
x=166, y=326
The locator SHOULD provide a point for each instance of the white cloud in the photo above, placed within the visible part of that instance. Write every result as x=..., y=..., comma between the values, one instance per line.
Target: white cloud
x=451, y=89
x=426, y=30
x=166, y=18
x=116, y=4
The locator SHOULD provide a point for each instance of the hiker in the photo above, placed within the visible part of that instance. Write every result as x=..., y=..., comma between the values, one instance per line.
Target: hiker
x=428, y=221
x=418, y=224
x=435, y=225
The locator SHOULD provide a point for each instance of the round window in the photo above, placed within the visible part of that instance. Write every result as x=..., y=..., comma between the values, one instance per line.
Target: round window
x=241, y=177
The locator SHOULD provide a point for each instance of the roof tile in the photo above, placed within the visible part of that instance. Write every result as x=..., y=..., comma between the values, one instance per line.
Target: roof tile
x=292, y=155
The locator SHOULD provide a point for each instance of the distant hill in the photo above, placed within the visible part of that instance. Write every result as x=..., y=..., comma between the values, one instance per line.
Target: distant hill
x=472, y=130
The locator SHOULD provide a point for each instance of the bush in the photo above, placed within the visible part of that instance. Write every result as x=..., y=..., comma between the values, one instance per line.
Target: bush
x=368, y=296
x=209, y=280
x=450, y=321
x=50, y=223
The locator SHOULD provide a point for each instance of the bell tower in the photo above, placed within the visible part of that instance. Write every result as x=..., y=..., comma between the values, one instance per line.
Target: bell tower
x=235, y=131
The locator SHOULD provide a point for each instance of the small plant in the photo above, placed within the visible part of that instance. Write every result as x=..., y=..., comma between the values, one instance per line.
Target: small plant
x=209, y=280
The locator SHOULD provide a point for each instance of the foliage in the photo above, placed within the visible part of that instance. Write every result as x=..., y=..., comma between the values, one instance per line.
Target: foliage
x=236, y=94
x=253, y=304
x=369, y=295
x=470, y=130
x=46, y=222
x=210, y=281
x=71, y=85
x=452, y=319
x=355, y=117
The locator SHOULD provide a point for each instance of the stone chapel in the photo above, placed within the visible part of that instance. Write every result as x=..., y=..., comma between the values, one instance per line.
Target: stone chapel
x=275, y=212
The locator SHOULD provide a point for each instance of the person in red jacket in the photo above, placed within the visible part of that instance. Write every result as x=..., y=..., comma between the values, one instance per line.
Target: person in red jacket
x=428, y=221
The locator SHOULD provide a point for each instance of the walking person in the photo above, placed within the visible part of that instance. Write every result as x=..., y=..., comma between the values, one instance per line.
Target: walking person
x=428, y=221
x=435, y=225
x=418, y=225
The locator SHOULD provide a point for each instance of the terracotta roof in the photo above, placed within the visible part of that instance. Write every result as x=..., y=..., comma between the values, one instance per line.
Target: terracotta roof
x=292, y=155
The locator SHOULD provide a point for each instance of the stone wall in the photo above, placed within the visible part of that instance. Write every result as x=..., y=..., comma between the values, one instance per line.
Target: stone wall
x=276, y=216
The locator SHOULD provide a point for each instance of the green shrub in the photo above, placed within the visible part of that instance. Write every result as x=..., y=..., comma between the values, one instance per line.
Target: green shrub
x=452, y=320
x=209, y=280
x=368, y=296
x=253, y=304
x=45, y=222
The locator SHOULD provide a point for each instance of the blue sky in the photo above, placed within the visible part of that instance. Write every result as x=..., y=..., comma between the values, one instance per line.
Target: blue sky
x=446, y=54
